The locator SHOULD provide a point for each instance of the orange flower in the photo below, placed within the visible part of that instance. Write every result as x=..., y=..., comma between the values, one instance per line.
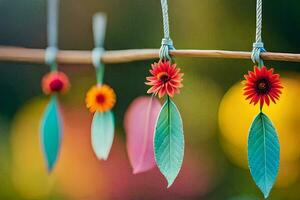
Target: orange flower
x=165, y=79
x=55, y=82
x=100, y=98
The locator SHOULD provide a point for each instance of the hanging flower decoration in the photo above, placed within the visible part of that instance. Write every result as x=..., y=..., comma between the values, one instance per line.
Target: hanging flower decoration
x=262, y=85
x=100, y=98
x=55, y=82
x=168, y=138
x=165, y=79
x=51, y=129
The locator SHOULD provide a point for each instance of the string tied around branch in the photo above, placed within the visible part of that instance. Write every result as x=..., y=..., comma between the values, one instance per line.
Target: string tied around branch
x=258, y=48
x=51, y=57
x=166, y=46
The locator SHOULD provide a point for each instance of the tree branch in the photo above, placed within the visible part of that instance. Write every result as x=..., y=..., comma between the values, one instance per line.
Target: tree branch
x=19, y=54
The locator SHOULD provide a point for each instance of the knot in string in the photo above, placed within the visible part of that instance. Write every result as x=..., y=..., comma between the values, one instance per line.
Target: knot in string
x=258, y=48
x=96, y=59
x=96, y=56
x=166, y=46
x=50, y=57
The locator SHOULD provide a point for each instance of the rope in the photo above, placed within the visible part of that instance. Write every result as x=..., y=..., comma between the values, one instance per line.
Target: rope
x=258, y=45
x=99, y=66
x=258, y=20
x=52, y=26
x=99, y=26
x=166, y=43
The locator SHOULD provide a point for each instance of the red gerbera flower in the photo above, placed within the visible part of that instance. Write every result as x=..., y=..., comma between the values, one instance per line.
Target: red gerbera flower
x=165, y=79
x=55, y=82
x=262, y=85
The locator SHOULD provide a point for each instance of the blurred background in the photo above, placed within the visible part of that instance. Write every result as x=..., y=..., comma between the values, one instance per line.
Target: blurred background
x=216, y=116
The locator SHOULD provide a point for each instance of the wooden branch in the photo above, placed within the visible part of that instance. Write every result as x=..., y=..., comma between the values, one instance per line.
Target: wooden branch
x=18, y=54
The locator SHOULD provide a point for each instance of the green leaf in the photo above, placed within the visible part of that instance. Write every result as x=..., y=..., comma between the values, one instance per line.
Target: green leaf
x=51, y=133
x=169, y=141
x=263, y=153
x=103, y=128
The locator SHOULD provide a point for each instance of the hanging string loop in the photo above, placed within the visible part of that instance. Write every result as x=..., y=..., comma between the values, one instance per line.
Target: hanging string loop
x=99, y=27
x=167, y=43
x=52, y=32
x=99, y=66
x=258, y=45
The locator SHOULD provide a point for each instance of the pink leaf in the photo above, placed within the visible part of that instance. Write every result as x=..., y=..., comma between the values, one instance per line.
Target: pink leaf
x=139, y=125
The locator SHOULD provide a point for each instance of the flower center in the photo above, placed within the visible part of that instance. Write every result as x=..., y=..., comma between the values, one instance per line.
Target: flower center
x=56, y=85
x=163, y=77
x=100, y=98
x=263, y=86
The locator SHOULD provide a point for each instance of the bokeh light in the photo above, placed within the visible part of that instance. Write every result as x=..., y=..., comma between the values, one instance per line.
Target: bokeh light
x=79, y=175
x=29, y=173
x=198, y=103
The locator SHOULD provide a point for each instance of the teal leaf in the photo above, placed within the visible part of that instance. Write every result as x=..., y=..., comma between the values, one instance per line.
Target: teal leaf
x=103, y=128
x=51, y=132
x=169, y=141
x=263, y=153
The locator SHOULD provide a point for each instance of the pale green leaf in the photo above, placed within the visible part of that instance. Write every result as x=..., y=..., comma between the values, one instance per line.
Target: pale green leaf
x=263, y=153
x=169, y=141
x=102, y=133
